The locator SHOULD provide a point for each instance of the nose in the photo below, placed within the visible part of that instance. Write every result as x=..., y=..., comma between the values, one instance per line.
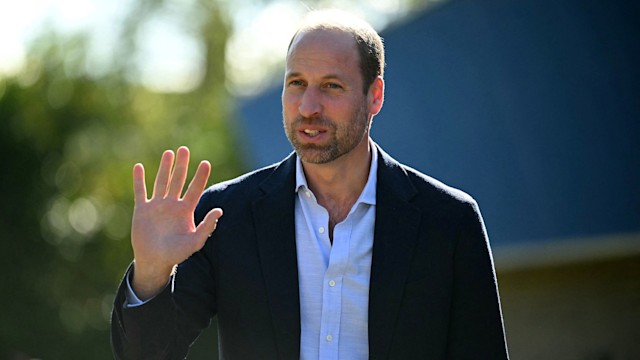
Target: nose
x=310, y=105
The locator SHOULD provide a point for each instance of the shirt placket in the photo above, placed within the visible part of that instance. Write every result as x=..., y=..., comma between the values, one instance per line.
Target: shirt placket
x=332, y=293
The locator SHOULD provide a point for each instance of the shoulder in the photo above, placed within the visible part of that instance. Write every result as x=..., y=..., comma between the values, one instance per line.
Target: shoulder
x=443, y=201
x=442, y=208
x=436, y=188
x=419, y=188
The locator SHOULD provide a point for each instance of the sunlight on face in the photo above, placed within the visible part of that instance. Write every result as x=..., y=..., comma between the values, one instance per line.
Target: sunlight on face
x=325, y=113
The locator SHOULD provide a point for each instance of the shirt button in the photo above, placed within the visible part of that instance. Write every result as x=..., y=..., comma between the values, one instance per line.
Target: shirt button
x=321, y=230
x=307, y=193
x=329, y=337
x=332, y=283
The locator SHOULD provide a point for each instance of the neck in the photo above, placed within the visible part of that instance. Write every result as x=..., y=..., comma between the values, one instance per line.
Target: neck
x=338, y=184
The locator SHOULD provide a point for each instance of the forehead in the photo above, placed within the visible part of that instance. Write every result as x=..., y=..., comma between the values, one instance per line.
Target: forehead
x=323, y=49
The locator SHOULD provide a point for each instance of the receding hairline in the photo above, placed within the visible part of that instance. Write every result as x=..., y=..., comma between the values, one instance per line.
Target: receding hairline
x=331, y=20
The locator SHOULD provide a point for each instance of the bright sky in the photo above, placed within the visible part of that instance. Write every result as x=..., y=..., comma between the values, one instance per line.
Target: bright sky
x=21, y=21
x=171, y=60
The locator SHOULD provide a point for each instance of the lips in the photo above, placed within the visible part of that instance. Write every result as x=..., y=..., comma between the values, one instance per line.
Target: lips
x=311, y=132
x=316, y=130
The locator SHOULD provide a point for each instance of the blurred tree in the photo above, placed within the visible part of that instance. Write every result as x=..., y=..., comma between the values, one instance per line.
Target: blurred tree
x=67, y=143
x=68, y=140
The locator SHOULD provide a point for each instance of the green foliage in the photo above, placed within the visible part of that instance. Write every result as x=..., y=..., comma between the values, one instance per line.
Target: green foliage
x=68, y=143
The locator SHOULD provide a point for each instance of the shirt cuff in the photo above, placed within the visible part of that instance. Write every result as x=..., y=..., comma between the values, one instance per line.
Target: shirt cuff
x=132, y=299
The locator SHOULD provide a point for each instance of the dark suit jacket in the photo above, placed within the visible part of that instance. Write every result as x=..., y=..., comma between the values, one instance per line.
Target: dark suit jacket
x=433, y=292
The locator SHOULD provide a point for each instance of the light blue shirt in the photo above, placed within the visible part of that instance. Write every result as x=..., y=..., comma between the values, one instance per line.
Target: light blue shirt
x=334, y=280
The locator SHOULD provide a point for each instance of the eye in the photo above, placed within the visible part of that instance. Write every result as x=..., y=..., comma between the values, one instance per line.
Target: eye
x=296, y=83
x=333, y=86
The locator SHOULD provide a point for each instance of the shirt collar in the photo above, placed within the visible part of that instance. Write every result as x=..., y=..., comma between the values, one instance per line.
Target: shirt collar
x=368, y=195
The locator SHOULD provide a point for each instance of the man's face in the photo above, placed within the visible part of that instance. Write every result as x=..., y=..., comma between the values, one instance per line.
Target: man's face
x=325, y=112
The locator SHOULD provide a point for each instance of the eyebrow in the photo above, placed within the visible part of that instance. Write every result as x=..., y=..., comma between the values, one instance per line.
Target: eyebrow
x=324, y=77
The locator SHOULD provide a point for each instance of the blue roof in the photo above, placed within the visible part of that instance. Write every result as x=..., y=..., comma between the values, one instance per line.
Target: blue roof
x=532, y=107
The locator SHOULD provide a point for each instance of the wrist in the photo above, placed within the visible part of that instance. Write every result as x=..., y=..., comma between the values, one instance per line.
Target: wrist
x=148, y=280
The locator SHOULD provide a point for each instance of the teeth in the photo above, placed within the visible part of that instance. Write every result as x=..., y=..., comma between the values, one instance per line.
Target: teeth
x=311, y=132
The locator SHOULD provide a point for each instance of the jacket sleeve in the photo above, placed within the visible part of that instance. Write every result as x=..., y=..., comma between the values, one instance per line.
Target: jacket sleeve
x=165, y=326
x=476, y=327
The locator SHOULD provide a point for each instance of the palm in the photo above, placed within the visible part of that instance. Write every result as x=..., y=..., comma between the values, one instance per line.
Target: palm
x=164, y=229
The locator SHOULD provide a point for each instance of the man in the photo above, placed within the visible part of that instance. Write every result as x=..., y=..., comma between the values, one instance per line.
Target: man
x=337, y=252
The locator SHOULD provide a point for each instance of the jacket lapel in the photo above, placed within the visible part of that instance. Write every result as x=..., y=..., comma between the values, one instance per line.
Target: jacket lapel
x=395, y=234
x=275, y=228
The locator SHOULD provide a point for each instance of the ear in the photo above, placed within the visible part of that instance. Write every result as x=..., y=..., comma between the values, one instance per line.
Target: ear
x=375, y=96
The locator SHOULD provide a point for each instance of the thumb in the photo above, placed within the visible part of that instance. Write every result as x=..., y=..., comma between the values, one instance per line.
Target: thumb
x=208, y=225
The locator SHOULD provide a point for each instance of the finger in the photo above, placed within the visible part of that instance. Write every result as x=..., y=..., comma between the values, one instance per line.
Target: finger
x=139, y=186
x=164, y=172
x=198, y=183
x=179, y=175
x=207, y=226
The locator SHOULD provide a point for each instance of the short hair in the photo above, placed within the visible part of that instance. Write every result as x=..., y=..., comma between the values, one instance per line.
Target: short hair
x=368, y=41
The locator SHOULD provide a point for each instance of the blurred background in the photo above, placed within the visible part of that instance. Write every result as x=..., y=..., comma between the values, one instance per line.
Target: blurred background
x=531, y=106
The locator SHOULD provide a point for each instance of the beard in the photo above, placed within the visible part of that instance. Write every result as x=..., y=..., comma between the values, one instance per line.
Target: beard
x=343, y=137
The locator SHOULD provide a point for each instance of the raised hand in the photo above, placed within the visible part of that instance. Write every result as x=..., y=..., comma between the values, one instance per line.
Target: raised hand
x=163, y=232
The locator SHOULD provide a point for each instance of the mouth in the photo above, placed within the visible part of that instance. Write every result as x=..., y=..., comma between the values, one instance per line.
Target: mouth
x=311, y=132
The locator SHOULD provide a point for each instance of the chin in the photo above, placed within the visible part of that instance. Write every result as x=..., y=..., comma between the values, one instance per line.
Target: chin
x=316, y=155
